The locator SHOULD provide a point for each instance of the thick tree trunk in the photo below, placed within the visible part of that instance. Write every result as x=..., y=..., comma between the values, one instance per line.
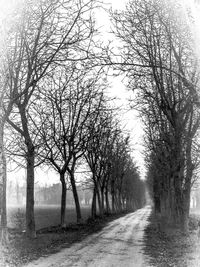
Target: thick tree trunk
x=186, y=210
x=179, y=199
x=175, y=204
x=187, y=189
x=76, y=198
x=30, y=219
x=117, y=202
x=63, y=200
x=180, y=184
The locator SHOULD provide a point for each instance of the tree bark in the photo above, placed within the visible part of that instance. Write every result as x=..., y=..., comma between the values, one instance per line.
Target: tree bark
x=187, y=189
x=120, y=201
x=113, y=203
x=3, y=180
x=63, y=200
x=99, y=202
x=30, y=158
x=113, y=196
x=94, y=204
x=76, y=198
x=102, y=200
x=30, y=219
x=107, y=202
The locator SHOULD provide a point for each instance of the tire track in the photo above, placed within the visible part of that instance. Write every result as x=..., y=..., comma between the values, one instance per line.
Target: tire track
x=119, y=243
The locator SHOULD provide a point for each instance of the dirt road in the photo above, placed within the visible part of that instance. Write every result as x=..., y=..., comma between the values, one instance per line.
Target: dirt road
x=118, y=244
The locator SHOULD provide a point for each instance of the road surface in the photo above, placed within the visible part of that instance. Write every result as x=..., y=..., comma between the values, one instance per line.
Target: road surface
x=120, y=244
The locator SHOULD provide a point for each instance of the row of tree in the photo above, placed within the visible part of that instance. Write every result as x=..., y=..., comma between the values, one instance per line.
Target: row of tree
x=54, y=110
x=160, y=60
x=113, y=171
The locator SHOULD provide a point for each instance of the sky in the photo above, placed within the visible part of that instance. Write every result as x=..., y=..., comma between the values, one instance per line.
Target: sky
x=131, y=121
x=129, y=118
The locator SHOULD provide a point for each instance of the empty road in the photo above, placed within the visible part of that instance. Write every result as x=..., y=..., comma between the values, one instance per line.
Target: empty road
x=118, y=244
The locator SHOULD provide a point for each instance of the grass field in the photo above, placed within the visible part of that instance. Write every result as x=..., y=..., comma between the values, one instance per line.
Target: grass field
x=45, y=216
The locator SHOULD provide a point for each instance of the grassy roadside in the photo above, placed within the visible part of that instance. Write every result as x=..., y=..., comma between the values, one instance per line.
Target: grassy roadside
x=21, y=250
x=45, y=215
x=170, y=247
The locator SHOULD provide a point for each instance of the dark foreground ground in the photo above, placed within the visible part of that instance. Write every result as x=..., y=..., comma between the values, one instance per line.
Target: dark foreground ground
x=162, y=248
x=169, y=247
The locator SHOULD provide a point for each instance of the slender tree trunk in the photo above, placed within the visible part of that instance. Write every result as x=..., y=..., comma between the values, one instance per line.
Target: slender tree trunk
x=102, y=200
x=120, y=201
x=30, y=219
x=76, y=198
x=113, y=203
x=157, y=204
x=116, y=200
x=123, y=203
x=63, y=200
x=99, y=202
x=113, y=196
x=94, y=204
x=107, y=202
x=30, y=160
x=3, y=180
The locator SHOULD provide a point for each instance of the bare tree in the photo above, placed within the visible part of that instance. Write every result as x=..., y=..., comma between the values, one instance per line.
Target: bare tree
x=97, y=154
x=158, y=59
x=65, y=107
x=6, y=105
x=3, y=179
x=44, y=34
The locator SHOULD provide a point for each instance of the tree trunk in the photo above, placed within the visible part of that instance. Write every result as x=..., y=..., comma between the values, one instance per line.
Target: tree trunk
x=157, y=204
x=187, y=189
x=102, y=200
x=94, y=204
x=120, y=201
x=63, y=200
x=3, y=180
x=99, y=203
x=30, y=220
x=76, y=198
x=116, y=203
x=113, y=196
x=128, y=205
x=186, y=210
x=107, y=202
x=30, y=179
x=113, y=202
